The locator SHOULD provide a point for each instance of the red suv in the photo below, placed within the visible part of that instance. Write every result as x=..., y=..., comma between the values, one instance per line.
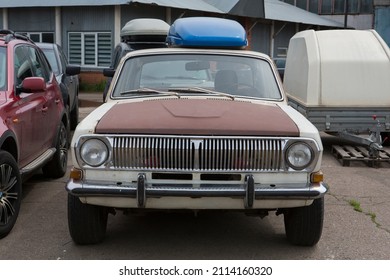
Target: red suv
x=33, y=122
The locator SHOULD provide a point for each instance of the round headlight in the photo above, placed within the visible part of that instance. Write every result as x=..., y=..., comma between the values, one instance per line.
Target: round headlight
x=299, y=155
x=94, y=152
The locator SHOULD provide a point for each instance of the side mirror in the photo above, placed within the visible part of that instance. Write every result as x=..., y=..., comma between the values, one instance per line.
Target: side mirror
x=72, y=70
x=109, y=72
x=33, y=84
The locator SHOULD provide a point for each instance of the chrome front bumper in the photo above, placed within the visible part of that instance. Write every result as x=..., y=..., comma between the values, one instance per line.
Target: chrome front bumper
x=249, y=191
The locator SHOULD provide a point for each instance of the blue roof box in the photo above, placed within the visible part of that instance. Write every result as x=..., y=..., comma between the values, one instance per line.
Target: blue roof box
x=207, y=32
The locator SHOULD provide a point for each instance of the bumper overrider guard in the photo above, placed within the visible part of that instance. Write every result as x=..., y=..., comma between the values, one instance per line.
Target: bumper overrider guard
x=249, y=191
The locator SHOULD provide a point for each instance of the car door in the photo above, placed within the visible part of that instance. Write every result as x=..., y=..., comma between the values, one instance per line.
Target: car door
x=70, y=81
x=29, y=109
x=51, y=95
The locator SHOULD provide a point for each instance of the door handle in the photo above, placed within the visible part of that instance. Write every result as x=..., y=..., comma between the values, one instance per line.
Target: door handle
x=44, y=109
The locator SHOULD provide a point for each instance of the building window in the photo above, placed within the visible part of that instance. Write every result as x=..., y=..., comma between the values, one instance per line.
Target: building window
x=40, y=37
x=90, y=48
x=353, y=6
x=339, y=7
x=301, y=4
x=313, y=6
x=326, y=7
x=334, y=7
x=366, y=7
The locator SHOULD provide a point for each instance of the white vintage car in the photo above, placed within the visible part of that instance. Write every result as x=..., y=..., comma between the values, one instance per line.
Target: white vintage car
x=203, y=124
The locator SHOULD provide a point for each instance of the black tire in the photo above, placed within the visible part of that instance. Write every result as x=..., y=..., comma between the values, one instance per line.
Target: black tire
x=304, y=224
x=68, y=123
x=56, y=167
x=87, y=223
x=74, y=114
x=10, y=192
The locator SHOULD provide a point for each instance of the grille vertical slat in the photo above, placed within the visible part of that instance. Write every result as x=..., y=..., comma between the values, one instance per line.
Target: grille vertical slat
x=229, y=154
x=191, y=149
x=253, y=155
x=163, y=153
x=188, y=154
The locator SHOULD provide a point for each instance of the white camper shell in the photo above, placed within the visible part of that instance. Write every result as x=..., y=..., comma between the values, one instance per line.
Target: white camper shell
x=340, y=80
x=338, y=68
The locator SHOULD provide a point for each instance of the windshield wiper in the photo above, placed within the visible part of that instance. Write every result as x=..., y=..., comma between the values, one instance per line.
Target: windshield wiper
x=203, y=90
x=149, y=91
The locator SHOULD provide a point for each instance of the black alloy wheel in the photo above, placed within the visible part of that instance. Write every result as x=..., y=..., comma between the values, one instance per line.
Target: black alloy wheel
x=10, y=192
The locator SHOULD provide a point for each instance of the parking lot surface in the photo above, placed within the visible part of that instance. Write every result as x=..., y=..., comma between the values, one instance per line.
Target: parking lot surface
x=356, y=226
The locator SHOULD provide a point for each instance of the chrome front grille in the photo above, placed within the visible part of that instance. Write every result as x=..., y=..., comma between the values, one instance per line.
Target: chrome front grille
x=215, y=154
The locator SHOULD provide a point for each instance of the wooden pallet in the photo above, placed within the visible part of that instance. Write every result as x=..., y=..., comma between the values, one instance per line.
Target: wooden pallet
x=347, y=154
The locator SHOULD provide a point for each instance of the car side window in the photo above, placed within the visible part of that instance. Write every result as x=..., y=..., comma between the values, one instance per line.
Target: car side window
x=116, y=57
x=3, y=69
x=46, y=68
x=120, y=51
x=22, y=65
x=63, y=58
x=39, y=65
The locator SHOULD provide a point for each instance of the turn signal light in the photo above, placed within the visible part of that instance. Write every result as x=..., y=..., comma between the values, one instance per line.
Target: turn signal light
x=317, y=177
x=76, y=174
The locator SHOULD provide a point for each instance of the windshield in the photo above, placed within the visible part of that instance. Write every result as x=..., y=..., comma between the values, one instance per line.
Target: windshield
x=51, y=57
x=3, y=69
x=197, y=73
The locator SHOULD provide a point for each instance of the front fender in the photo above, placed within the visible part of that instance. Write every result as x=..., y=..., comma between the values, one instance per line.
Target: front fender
x=8, y=142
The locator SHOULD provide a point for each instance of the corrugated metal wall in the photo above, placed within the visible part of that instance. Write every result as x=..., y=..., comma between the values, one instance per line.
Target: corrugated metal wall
x=86, y=19
x=154, y=11
x=177, y=13
x=260, y=37
x=130, y=12
x=31, y=19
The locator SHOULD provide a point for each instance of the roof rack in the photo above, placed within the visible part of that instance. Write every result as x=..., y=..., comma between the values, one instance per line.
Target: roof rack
x=11, y=35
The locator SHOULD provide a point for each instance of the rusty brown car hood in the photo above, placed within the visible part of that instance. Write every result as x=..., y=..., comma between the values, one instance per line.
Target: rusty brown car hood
x=197, y=117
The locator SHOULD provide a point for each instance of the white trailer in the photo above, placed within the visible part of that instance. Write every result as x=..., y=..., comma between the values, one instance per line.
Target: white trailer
x=340, y=80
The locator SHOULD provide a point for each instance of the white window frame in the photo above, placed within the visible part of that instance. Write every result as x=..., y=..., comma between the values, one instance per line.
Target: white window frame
x=83, y=51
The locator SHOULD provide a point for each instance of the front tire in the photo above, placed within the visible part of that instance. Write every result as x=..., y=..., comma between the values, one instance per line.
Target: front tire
x=56, y=167
x=87, y=223
x=10, y=192
x=304, y=224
